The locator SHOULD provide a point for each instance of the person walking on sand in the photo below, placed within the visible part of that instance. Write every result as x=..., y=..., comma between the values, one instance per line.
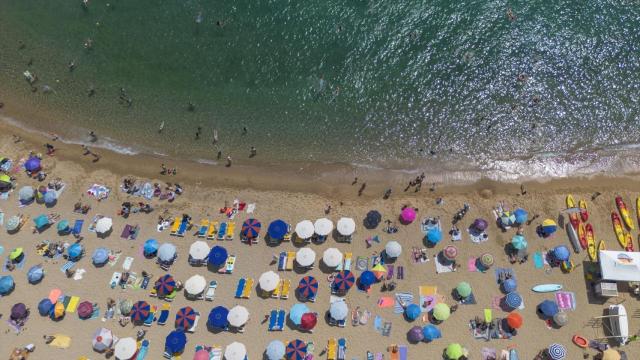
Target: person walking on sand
x=228, y=161
x=219, y=156
x=164, y=169
x=362, y=187
x=86, y=150
x=93, y=136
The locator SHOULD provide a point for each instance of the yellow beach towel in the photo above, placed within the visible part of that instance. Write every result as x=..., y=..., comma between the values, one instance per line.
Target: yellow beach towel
x=61, y=341
x=428, y=290
x=73, y=304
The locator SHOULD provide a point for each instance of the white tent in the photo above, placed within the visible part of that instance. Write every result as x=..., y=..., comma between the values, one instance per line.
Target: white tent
x=620, y=265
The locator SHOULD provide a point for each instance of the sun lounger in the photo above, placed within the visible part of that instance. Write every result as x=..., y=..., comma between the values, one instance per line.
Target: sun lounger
x=115, y=279
x=400, y=274
x=290, y=258
x=73, y=304
x=246, y=293
x=231, y=262
x=240, y=287
x=164, y=314
x=287, y=236
x=144, y=349
x=282, y=261
x=342, y=323
x=211, y=291
x=276, y=293
x=347, y=261
x=286, y=287
x=195, y=324
x=212, y=230
x=273, y=320
x=183, y=228
x=77, y=227
x=215, y=353
x=204, y=226
x=231, y=228
x=332, y=349
x=281, y=319
x=151, y=317
x=342, y=349
x=222, y=231
x=488, y=315
x=175, y=226
x=402, y=350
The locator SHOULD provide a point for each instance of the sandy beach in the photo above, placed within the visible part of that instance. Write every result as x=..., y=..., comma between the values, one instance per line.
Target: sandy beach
x=295, y=194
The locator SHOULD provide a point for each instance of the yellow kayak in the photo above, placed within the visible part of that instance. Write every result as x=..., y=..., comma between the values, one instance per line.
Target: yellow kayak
x=601, y=246
x=573, y=217
x=591, y=243
x=624, y=212
x=638, y=209
x=617, y=228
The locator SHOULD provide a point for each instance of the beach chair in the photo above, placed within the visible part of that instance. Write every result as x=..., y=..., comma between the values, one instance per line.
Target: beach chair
x=286, y=288
x=164, y=314
x=152, y=316
x=77, y=227
x=488, y=316
x=215, y=353
x=332, y=349
x=291, y=256
x=246, y=293
x=211, y=291
x=342, y=349
x=175, y=226
x=204, y=226
x=273, y=320
x=195, y=324
x=184, y=226
x=222, y=231
x=281, y=319
x=212, y=230
x=403, y=352
x=287, y=236
x=276, y=293
x=231, y=262
x=282, y=261
x=348, y=257
x=144, y=349
x=231, y=228
x=240, y=287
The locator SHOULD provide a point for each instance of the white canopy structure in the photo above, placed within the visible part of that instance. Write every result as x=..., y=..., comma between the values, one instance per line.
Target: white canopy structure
x=620, y=265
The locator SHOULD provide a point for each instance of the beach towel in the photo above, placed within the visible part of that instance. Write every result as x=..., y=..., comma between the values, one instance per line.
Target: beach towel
x=77, y=227
x=566, y=300
x=61, y=341
x=73, y=304
x=538, y=260
x=406, y=298
x=67, y=266
x=79, y=274
x=113, y=258
x=488, y=353
x=54, y=295
x=126, y=265
x=99, y=192
x=478, y=238
x=377, y=323
x=506, y=271
x=400, y=274
x=362, y=263
x=386, y=302
x=442, y=268
x=471, y=264
x=126, y=232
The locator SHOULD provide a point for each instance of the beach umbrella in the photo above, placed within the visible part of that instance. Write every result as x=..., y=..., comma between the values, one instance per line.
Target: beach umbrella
x=296, y=350
x=35, y=274
x=343, y=281
x=125, y=306
x=486, y=260
x=175, y=342
x=323, y=226
x=507, y=219
x=5, y=182
x=235, y=351
x=367, y=278
x=561, y=318
x=58, y=310
x=140, y=311
x=557, y=351
x=415, y=334
x=250, y=228
x=509, y=285
x=407, y=215
x=308, y=287
x=519, y=242
x=305, y=257
x=450, y=252
x=102, y=339
x=218, y=256
x=13, y=223
x=16, y=253
x=561, y=253
x=548, y=308
x=412, y=312
x=26, y=194
x=150, y=247
x=32, y=164
x=393, y=249
x=85, y=310
x=332, y=257
x=278, y=229
x=480, y=224
x=165, y=285
x=463, y=289
x=346, y=226
x=454, y=351
x=514, y=320
x=63, y=226
x=202, y=354
x=238, y=316
x=218, y=317
x=167, y=252
x=100, y=256
x=372, y=219
x=275, y=350
x=339, y=310
x=185, y=318
x=521, y=216
x=305, y=229
x=308, y=321
x=296, y=312
x=195, y=285
x=431, y=332
x=199, y=250
x=549, y=227
x=441, y=311
x=75, y=251
x=611, y=354
x=125, y=348
x=6, y=284
x=44, y=307
x=379, y=271
x=41, y=221
x=269, y=281
x=50, y=197
x=19, y=311
x=434, y=236
x=513, y=300
x=103, y=225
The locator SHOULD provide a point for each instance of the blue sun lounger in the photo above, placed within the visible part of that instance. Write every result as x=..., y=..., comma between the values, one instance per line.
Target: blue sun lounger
x=240, y=288
x=342, y=349
x=152, y=316
x=282, y=261
x=77, y=227
x=142, y=353
x=281, y=318
x=183, y=228
x=273, y=319
x=164, y=316
x=402, y=350
x=222, y=231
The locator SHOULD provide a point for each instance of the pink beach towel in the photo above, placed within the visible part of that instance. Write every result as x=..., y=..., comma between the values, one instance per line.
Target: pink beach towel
x=54, y=295
x=565, y=300
x=386, y=302
x=471, y=265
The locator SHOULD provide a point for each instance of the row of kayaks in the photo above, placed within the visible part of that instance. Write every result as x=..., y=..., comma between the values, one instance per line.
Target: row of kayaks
x=581, y=232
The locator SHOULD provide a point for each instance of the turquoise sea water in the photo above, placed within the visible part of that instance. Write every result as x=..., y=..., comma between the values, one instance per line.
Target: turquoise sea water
x=400, y=84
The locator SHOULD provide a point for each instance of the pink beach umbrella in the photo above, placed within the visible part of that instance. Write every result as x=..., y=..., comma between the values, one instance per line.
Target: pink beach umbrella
x=407, y=215
x=450, y=252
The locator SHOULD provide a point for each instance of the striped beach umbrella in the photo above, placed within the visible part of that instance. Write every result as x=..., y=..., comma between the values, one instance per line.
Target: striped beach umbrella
x=343, y=281
x=513, y=300
x=185, y=318
x=165, y=285
x=296, y=350
x=140, y=311
x=486, y=260
x=308, y=287
x=379, y=271
x=450, y=252
x=250, y=228
x=102, y=339
x=557, y=351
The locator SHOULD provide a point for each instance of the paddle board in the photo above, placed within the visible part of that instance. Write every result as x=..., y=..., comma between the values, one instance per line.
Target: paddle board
x=543, y=288
x=573, y=237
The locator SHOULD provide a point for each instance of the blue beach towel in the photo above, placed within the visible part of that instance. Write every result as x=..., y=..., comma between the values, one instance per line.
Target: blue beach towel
x=538, y=261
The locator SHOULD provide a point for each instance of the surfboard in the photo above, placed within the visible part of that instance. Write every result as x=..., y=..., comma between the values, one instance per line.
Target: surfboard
x=543, y=288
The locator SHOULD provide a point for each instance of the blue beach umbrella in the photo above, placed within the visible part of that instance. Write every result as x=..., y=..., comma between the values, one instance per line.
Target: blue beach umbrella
x=175, y=342
x=308, y=287
x=44, y=307
x=140, y=311
x=218, y=317
x=278, y=229
x=35, y=274
x=519, y=242
x=343, y=281
x=548, y=308
x=41, y=221
x=367, y=278
x=561, y=253
x=75, y=251
x=63, y=226
x=507, y=219
x=513, y=300
x=50, y=198
x=6, y=284
x=165, y=285
x=557, y=352
x=434, y=236
x=296, y=312
x=26, y=194
x=275, y=350
x=150, y=247
x=509, y=285
x=296, y=350
x=412, y=312
x=521, y=216
x=217, y=256
x=549, y=227
x=32, y=164
x=185, y=318
x=250, y=228
x=431, y=332
x=100, y=256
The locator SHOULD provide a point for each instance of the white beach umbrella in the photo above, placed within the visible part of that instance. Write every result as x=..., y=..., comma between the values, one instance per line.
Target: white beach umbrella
x=238, y=316
x=332, y=257
x=125, y=348
x=305, y=257
x=304, y=229
x=339, y=310
x=346, y=226
x=167, y=252
x=269, y=281
x=102, y=339
x=103, y=225
x=235, y=351
x=199, y=250
x=195, y=285
x=323, y=226
x=393, y=249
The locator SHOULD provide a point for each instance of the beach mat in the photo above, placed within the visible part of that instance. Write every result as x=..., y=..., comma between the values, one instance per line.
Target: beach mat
x=566, y=300
x=67, y=266
x=471, y=264
x=362, y=263
x=538, y=260
x=407, y=298
x=73, y=304
x=386, y=302
x=442, y=268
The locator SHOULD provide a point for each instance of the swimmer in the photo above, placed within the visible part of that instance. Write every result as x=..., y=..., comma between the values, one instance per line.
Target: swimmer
x=161, y=127
x=215, y=136
x=71, y=65
x=199, y=18
x=510, y=15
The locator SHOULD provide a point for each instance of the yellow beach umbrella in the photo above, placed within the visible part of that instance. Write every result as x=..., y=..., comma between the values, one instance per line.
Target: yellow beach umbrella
x=379, y=271
x=15, y=253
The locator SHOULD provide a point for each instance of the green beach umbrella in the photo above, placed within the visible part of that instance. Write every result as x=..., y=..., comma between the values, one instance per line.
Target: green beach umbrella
x=15, y=253
x=463, y=289
x=454, y=351
x=5, y=178
x=486, y=260
x=63, y=225
x=13, y=223
x=441, y=311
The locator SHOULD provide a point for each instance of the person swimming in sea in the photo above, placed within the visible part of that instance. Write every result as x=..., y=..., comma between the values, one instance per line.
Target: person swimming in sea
x=161, y=127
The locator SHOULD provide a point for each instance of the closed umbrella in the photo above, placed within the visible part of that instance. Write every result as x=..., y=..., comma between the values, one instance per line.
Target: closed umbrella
x=408, y=215
x=393, y=249
x=44, y=307
x=175, y=342
x=250, y=228
x=332, y=257
x=185, y=318
x=431, y=332
x=450, y=252
x=463, y=289
x=235, y=351
x=339, y=310
x=140, y=311
x=549, y=227
x=199, y=250
x=304, y=229
x=514, y=320
x=513, y=300
x=454, y=351
x=19, y=311
x=323, y=226
x=218, y=317
x=434, y=236
x=308, y=287
x=150, y=247
x=519, y=242
x=63, y=226
x=167, y=252
x=296, y=350
x=486, y=260
x=561, y=318
x=367, y=278
x=509, y=285
x=521, y=216
x=6, y=284
x=103, y=225
x=561, y=253
x=75, y=251
x=13, y=223
x=415, y=334
x=372, y=219
x=308, y=321
x=296, y=312
x=343, y=281
x=557, y=352
x=195, y=285
x=278, y=229
x=238, y=316
x=412, y=312
x=100, y=256
x=346, y=226
x=269, y=281
x=165, y=285
x=125, y=348
x=50, y=197
x=102, y=339
x=218, y=256
x=35, y=274
x=305, y=257
x=275, y=350
x=26, y=194
x=441, y=311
